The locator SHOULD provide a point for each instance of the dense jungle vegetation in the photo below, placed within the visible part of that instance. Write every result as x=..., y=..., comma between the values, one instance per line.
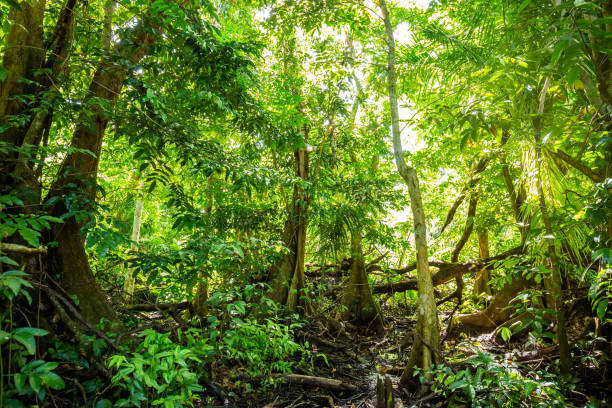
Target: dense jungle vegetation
x=283, y=203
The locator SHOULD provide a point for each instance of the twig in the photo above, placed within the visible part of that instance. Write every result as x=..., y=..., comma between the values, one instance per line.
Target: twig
x=83, y=393
x=450, y=322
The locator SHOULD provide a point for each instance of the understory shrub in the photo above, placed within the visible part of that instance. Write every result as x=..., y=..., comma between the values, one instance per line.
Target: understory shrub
x=489, y=381
x=161, y=372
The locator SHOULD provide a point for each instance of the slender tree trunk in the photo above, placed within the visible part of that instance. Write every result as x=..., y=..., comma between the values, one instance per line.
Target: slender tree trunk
x=516, y=201
x=425, y=350
x=130, y=280
x=552, y=253
x=481, y=283
x=300, y=206
x=199, y=304
x=287, y=277
x=465, y=236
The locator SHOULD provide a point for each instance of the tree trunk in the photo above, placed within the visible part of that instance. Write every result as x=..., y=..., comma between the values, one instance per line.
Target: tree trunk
x=23, y=55
x=130, y=280
x=552, y=253
x=361, y=306
x=287, y=277
x=481, y=283
x=300, y=205
x=425, y=350
x=76, y=180
x=516, y=201
x=199, y=304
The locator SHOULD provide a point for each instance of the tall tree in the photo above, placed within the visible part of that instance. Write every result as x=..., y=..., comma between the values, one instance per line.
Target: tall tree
x=425, y=350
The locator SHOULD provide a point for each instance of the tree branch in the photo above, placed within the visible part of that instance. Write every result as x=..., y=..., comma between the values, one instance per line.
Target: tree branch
x=578, y=165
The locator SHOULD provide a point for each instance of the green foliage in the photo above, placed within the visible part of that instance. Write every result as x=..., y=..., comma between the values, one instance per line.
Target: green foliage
x=265, y=348
x=159, y=371
x=600, y=291
x=28, y=226
x=529, y=305
x=488, y=382
x=30, y=377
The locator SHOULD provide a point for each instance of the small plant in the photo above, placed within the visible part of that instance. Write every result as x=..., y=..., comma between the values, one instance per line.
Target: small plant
x=159, y=371
x=600, y=291
x=31, y=378
x=535, y=318
x=488, y=382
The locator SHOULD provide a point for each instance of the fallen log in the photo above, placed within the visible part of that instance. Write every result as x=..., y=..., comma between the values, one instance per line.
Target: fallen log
x=327, y=383
x=154, y=307
x=446, y=272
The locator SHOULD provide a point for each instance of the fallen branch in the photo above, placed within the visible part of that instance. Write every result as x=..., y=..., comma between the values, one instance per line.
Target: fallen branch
x=446, y=272
x=22, y=249
x=327, y=383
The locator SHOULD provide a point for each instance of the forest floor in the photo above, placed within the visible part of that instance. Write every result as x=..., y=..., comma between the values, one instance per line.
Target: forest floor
x=354, y=356
x=357, y=358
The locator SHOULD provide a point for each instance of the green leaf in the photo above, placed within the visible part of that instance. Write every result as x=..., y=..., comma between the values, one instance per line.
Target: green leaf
x=30, y=236
x=14, y=4
x=602, y=309
x=103, y=403
x=25, y=336
x=561, y=45
x=506, y=333
x=524, y=4
x=35, y=382
x=52, y=219
x=8, y=261
x=34, y=332
x=529, y=387
x=20, y=380
x=53, y=380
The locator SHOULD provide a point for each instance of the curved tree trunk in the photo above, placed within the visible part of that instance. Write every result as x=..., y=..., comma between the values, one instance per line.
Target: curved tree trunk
x=425, y=351
x=76, y=179
x=496, y=313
